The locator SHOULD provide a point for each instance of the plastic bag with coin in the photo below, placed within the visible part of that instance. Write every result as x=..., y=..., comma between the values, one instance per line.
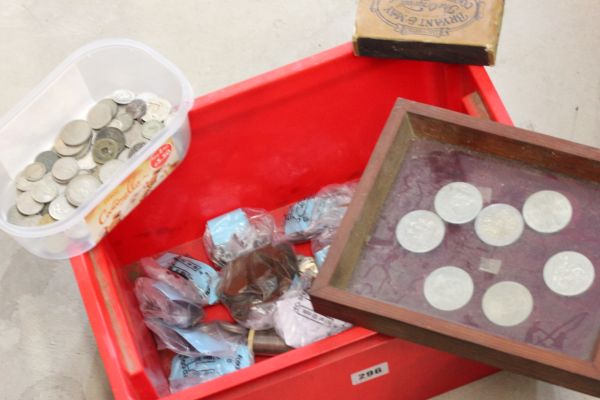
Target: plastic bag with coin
x=236, y=233
x=321, y=243
x=309, y=217
x=296, y=321
x=202, y=276
x=298, y=219
x=330, y=206
x=333, y=204
x=190, y=371
x=153, y=269
x=161, y=302
x=201, y=340
x=308, y=270
x=320, y=255
x=251, y=284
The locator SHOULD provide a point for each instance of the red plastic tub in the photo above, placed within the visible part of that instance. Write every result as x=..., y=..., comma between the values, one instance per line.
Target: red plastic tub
x=267, y=142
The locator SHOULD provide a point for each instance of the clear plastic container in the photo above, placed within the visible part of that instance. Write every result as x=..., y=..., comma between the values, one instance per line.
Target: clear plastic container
x=90, y=74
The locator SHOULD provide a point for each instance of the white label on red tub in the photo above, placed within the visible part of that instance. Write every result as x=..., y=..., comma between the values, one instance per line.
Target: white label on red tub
x=370, y=373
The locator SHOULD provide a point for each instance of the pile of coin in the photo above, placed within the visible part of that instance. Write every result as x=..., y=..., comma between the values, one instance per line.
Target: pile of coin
x=87, y=153
x=505, y=303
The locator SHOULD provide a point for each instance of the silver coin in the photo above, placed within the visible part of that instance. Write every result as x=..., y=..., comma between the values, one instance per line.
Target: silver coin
x=420, y=231
x=82, y=188
x=27, y=205
x=110, y=169
x=122, y=96
x=115, y=124
x=122, y=122
x=507, y=303
x=65, y=169
x=114, y=107
x=158, y=109
x=100, y=115
x=44, y=191
x=151, y=129
x=35, y=171
x=547, y=211
x=133, y=135
x=87, y=162
x=67, y=151
x=569, y=273
x=85, y=150
x=60, y=208
x=76, y=133
x=448, y=288
x=48, y=158
x=137, y=108
x=123, y=156
x=50, y=180
x=126, y=121
x=13, y=216
x=135, y=148
x=62, y=187
x=22, y=183
x=458, y=202
x=499, y=225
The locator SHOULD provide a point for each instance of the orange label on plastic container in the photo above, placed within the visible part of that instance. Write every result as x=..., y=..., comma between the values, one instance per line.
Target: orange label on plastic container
x=160, y=156
x=125, y=197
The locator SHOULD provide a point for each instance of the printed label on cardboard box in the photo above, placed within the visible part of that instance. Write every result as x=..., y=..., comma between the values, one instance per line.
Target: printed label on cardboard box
x=428, y=17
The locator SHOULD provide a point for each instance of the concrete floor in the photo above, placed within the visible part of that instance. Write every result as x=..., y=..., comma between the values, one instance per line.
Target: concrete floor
x=547, y=75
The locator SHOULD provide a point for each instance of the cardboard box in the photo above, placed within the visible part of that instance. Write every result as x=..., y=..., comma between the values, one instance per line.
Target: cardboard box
x=453, y=31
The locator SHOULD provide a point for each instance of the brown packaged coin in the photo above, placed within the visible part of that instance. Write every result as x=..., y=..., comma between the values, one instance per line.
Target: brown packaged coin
x=266, y=343
x=257, y=279
x=453, y=31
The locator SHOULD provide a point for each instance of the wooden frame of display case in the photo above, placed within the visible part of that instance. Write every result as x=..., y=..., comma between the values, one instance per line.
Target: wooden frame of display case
x=409, y=121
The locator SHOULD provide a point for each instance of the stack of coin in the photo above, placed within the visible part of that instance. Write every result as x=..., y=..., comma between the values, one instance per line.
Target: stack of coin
x=86, y=154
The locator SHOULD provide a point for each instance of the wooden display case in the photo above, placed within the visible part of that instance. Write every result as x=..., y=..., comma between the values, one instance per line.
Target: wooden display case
x=370, y=280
